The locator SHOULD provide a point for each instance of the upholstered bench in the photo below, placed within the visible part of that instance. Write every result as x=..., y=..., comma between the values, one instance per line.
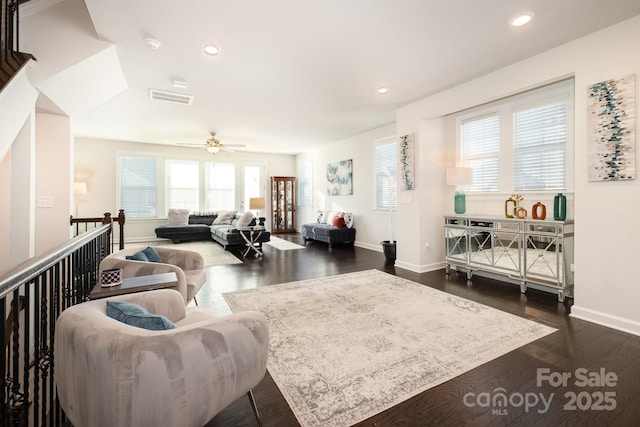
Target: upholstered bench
x=328, y=233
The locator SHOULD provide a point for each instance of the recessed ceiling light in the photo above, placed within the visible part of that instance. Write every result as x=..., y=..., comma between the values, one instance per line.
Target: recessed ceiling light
x=521, y=20
x=152, y=44
x=383, y=90
x=211, y=49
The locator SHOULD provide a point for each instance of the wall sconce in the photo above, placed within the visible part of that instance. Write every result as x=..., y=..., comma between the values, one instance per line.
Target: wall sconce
x=460, y=177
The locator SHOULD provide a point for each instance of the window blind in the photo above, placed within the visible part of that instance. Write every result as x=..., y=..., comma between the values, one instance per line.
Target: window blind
x=480, y=146
x=540, y=140
x=182, y=178
x=139, y=187
x=220, y=186
x=386, y=159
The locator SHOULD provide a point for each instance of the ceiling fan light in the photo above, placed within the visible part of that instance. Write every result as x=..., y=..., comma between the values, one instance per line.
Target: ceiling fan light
x=212, y=149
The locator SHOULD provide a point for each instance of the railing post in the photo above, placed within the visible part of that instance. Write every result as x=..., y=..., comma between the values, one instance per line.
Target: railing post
x=121, y=228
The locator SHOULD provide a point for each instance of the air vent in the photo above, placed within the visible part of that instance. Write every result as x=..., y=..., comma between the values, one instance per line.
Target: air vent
x=176, y=98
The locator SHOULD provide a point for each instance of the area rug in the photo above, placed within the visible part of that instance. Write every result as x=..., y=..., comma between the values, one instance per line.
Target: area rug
x=283, y=245
x=212, y=252
x=346, y=347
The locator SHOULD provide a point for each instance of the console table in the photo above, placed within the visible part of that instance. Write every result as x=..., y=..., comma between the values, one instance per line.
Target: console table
x=135, y=284
x=529, y=252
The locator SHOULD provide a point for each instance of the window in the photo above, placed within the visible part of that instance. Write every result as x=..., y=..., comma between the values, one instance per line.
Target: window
x=182, y=178
x=305, y=188
x=539, y=144
x=520, y=143
x=220, y=186
x=138, y=186
x=386, y=159
x=480, y=142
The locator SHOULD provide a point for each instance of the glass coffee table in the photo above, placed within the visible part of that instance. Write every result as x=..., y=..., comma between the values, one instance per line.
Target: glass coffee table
x=135, y=284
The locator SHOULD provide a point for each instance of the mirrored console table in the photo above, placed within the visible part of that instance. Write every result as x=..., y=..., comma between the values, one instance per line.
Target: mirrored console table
x=530, y=252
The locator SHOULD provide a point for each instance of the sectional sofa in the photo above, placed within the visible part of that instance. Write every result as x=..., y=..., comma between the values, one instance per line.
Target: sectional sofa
x=202, y=227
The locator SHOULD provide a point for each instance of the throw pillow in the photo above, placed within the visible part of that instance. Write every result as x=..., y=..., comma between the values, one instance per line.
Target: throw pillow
x=138, y=256
x=136, y=315
x=338, y=221
x=245, y=219
x=178, y=217
x=225, y=217
x=348, y=219
x=152, y=254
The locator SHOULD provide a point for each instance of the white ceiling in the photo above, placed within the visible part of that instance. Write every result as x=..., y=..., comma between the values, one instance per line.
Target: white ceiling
x=294, y=74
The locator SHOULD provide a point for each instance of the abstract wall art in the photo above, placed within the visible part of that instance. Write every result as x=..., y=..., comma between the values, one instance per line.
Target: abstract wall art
x=611, y=130
x=340, y=178
x=407, y=162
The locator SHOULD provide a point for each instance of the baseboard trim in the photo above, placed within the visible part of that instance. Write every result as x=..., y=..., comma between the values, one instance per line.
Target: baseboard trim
x=607, y=320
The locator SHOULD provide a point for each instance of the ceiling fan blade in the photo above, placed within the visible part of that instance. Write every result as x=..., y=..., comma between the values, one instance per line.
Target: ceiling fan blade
x=235, y=145
x=189, y=144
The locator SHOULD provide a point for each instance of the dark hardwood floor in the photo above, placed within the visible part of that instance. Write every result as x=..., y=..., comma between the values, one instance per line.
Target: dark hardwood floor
x=580, y=349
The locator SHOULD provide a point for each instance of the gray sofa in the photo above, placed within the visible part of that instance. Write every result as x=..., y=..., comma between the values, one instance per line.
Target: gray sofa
x=328, y=233
x=201, y=227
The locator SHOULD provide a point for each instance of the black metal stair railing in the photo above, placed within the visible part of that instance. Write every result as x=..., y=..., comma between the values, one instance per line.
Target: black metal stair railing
x=32, y=295
x=11, y=59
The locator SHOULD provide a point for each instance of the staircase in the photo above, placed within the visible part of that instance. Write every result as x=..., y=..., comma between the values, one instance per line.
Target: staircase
x=11, y=59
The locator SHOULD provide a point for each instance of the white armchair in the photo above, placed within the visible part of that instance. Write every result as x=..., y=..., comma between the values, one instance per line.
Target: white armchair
x=188, y=266
x=108, y=373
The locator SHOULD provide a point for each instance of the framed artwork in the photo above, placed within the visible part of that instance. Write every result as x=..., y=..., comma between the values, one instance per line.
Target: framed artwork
x=407, y=162
x=340, y=178
x=611, y=130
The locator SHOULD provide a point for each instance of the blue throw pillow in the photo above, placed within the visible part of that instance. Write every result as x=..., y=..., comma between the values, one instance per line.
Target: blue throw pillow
x=138, y=256
x=135, y=315
x=152, y=254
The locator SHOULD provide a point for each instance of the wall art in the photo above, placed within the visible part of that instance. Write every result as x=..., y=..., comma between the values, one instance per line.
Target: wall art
x=611, y=130
x=407, y=162
x=340, y=178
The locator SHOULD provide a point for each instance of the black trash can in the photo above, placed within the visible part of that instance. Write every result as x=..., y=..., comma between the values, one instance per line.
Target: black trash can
x=389, y=249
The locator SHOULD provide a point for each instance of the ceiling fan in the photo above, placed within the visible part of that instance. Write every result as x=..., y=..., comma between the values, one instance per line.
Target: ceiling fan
x=213, y=145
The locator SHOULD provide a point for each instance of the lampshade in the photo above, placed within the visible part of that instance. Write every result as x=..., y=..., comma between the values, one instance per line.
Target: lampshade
x=459, y=176
x=256, y=203
x=79, y=188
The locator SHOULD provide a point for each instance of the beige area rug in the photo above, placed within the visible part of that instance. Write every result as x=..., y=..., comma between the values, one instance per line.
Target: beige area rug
x=346, y=347
x=283, y=245
x=212, y=252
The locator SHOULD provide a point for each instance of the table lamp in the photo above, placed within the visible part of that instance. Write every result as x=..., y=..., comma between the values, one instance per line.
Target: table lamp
x=460, y=177
x=257, y=203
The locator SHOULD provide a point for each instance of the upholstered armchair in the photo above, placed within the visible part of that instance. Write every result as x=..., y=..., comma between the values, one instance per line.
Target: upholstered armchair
x=188, y=266
x=108, y=373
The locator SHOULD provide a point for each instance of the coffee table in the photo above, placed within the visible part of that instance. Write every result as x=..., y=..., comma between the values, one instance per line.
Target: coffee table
x=135, y=284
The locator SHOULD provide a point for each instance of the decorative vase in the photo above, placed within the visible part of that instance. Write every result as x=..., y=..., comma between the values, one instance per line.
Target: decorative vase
x=521, y=213
x=539, y=211
x=560, y=207
x=510, y=206
x=389, y=249
x=459, y=202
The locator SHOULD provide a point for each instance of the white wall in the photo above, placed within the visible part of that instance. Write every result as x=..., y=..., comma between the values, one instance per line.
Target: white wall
x=606, y=249
x=54, y=165
x=371, y=226
x=95, y=164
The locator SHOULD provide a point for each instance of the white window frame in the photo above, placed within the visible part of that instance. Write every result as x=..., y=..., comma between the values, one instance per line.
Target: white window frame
x=505, y=108
x=119, y=192
x=381, y=205
x=186, y=190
